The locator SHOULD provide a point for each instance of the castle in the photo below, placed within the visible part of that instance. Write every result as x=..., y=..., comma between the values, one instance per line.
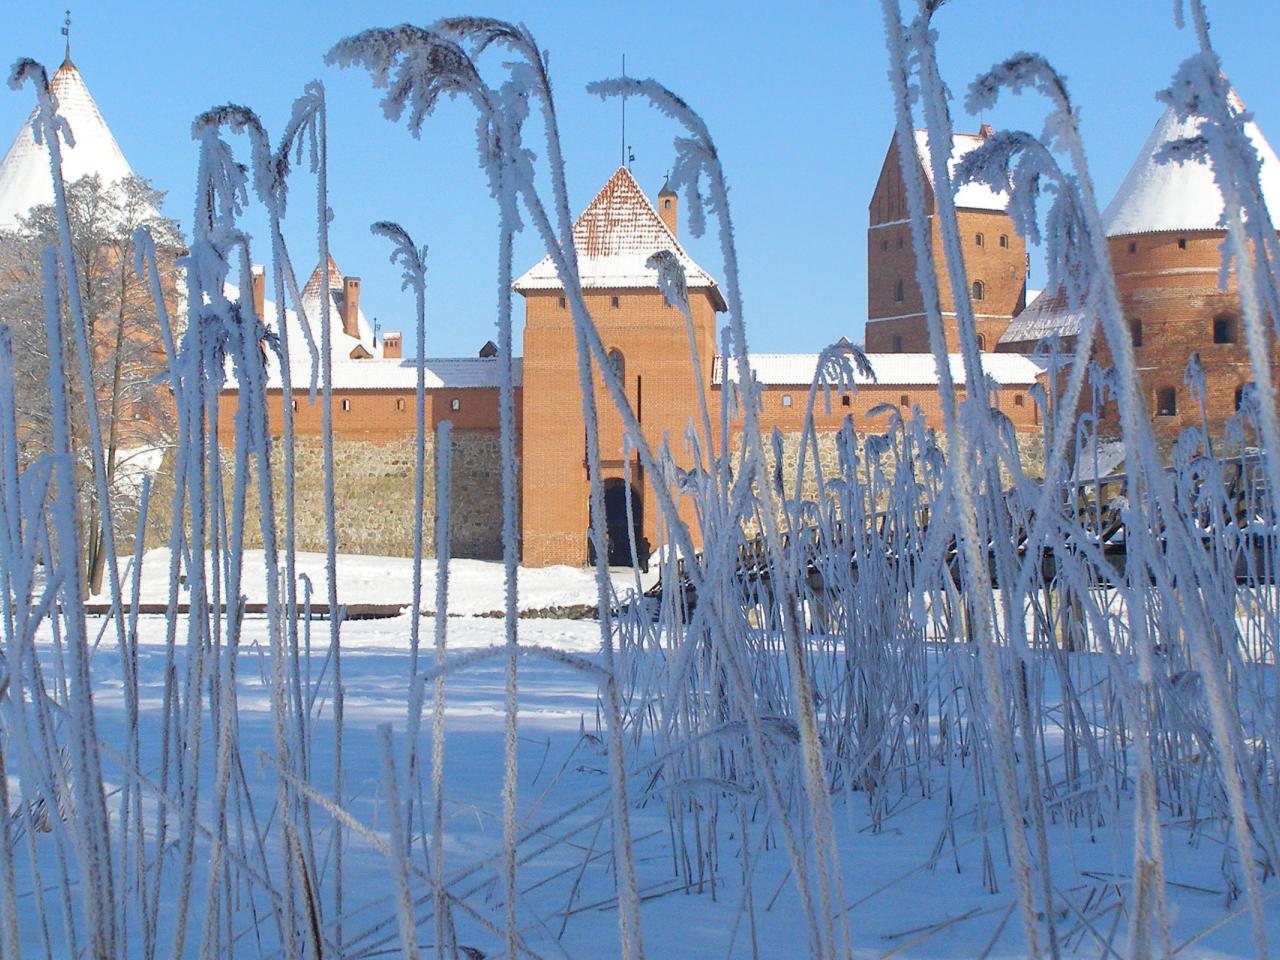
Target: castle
x=1164, y=242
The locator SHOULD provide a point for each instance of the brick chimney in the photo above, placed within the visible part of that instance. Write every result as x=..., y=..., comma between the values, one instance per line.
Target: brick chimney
x=351, y=306
x=669, y=208
x=391, y=349
x=258, y=282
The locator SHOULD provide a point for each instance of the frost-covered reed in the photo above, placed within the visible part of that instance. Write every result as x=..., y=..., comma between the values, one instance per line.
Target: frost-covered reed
x=908, y=616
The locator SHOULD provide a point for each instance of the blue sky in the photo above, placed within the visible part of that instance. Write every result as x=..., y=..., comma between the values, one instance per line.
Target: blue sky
x=795, y=95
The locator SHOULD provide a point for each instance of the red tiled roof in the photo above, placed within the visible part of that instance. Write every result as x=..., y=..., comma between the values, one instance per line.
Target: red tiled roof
x=615, y=236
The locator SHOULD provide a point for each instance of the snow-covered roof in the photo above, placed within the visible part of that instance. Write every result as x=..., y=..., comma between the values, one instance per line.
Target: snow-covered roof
x=615, y=236
x=1158, y=196
x=24, y=173
x=1044, y=316
x=972, y=196
x=442, y=373
x=370, y=373
x=343, y=344
x=798, y=369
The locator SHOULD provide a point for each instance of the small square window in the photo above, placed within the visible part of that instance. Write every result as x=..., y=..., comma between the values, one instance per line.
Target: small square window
x=1182, y=243
x=614, y=301
x=1224, y=330
x=904, y=401
x=1019, y=400
x=845, y=400
x=1167, y=402
x=455, y=404
x=786, y=399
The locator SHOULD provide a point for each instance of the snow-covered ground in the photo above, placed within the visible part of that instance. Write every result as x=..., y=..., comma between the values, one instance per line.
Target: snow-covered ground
x=912, y=887
x=475, y=586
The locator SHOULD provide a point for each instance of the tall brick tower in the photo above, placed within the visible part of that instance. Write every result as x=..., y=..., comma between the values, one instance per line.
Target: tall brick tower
x=649, y=346
x=1165, y=238
x=995, y=258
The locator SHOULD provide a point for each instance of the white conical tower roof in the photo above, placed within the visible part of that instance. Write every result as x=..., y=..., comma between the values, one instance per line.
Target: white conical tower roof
x=1158, y=196
x=24, y=174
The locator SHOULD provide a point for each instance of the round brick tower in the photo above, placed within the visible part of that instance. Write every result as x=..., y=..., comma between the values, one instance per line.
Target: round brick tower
x=1165, y=238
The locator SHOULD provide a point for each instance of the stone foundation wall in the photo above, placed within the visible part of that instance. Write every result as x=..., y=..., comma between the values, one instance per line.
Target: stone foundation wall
x=373, y=493
x=1030, y=451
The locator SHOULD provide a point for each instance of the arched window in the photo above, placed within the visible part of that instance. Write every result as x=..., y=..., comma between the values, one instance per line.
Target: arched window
x=346, y=404
x=1004, y=239
x=1167, y=402
x=982, y=341
x=1224, y=329
x=615, y=302
x=786, y=399
x=977, y=290
x=1182, y=243
x=400, y=403
x=1135, y=332
x=618, y=364
x=977, y=239
x=666, y=203
x=899, y=290
x=845, y=401
x=1019, y=400
x=455, y=404
x=904, y=401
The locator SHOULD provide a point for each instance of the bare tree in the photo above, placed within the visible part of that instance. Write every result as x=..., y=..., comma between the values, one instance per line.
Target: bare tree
x=128, y=395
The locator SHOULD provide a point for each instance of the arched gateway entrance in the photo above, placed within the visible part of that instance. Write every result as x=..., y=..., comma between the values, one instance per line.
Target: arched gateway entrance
x=616, y=526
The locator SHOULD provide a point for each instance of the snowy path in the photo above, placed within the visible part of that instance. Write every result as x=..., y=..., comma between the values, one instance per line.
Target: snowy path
x=475, y=586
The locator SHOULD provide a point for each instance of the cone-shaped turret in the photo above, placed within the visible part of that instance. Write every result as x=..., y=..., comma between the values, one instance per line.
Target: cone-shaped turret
x=1158, y=197
x=24, y=173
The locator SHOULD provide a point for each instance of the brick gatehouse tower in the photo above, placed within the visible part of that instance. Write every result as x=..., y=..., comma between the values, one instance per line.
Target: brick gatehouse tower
x=648, y=344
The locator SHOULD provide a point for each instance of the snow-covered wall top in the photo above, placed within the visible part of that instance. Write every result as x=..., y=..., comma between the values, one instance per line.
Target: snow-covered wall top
x=1157, y=196
x=615, y=236
x=798, y=369
x=24, y=173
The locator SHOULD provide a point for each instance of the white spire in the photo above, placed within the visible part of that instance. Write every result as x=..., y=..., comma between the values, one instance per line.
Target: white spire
x=24, y=173
x=1157, y=197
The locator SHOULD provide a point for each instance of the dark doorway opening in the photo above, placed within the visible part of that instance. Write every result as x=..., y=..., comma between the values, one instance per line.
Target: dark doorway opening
x=618, y=531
